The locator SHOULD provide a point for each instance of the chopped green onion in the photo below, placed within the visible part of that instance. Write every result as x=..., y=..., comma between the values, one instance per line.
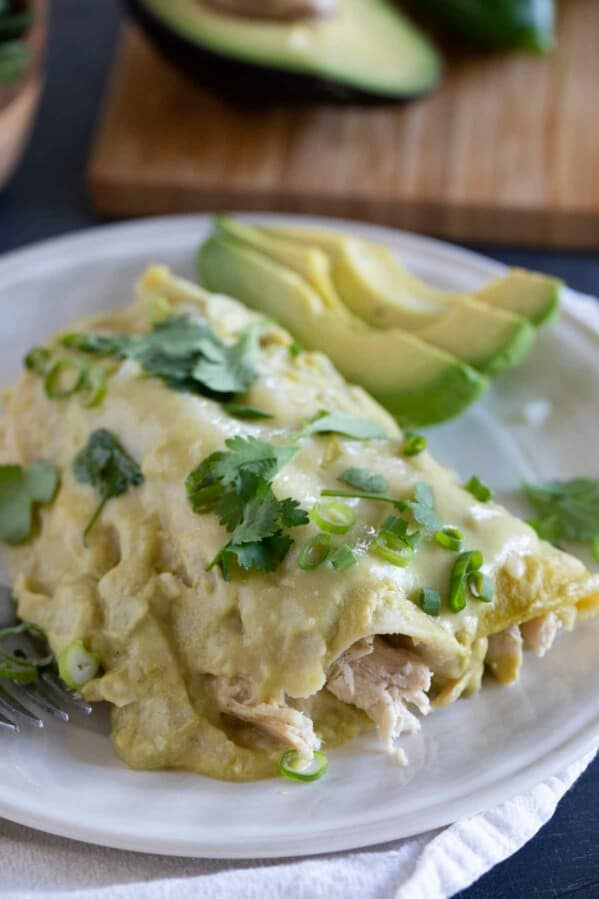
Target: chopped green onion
x=430, y=601
x=95, y=386
x=595, y=548
x=450, y=538
x=77, y=666
x=37, y=359
x=392, y=548
x=335, y=517
x=54, y=378
x=399, y=527
x=481, y=586
x=414, y=444
x=295, y=349
x=343, y=558
x=22, y=669
x=479, y=490
x=465, y=565
x=314, y=552
x=238, y=410
x=288, y=766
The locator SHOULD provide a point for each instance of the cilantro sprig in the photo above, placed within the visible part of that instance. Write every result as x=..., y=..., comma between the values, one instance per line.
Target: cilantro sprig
x=421, y=506
x=341, y=423
x=236, y=485
x=107, y=466
x=186, y=354
x=21, y=491
x=566, y=510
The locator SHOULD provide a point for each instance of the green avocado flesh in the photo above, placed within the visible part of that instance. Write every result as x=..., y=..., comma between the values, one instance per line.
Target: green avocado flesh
x=366, y=46
x=415, y=381
x=491, y=329
x=371, y=283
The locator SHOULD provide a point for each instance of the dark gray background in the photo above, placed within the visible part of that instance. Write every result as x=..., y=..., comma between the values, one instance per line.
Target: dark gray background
x=48, y=197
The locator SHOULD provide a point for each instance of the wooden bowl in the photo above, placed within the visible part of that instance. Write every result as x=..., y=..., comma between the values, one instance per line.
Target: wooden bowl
x=19, y=102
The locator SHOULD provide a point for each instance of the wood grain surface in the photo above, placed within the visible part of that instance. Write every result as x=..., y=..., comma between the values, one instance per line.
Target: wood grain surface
x=506, y=150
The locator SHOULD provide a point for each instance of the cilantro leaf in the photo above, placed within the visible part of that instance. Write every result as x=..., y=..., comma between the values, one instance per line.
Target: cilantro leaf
x=250, y=455
x=341, y=423
x=21, y=489
x=232, y=368
x=105, y=465
x=292, y=515
x=236, y=484
x=364, y=479
x=567, y=510
x=262, y=555
x=260, y=515
x=185, y=354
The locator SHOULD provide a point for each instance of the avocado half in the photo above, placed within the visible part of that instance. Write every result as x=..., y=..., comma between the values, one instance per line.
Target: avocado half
x=366, y=53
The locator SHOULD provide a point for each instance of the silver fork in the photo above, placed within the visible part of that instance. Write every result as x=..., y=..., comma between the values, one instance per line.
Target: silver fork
x=23, y=703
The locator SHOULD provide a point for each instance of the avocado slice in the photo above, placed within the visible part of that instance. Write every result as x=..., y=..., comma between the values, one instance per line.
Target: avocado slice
x=532, y=295
x=373, y=286
x=365, y=51
x=416, y=382
x=378, y=289
x=310, y=263
x=535, y=296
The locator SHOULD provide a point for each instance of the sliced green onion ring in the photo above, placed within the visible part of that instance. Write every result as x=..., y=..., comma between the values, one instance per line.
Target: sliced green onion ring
x=450, y=538
x=37, y=359
x=392, y=549
x=313, y=771
x=77, y=666
x=478, y=490
x=314, y=552
x=335, y=517
x=413, y=444
x=430, y=601
x=52, y=381
x=342, y=558
x=481, y=586
x=466, y=564
x=95, y=386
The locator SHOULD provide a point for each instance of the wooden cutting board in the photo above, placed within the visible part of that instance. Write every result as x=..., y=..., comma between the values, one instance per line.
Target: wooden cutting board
x=506, y=150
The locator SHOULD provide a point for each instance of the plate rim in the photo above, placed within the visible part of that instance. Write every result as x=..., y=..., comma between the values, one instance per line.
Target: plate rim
x=356, y=835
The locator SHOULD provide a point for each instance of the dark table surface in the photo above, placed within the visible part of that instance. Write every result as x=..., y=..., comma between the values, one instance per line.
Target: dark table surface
x=48, y=197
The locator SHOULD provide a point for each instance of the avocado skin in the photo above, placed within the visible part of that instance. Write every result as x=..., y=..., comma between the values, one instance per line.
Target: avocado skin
x=516, y=24
x=439, y=401
x=436, y=400
x=514, y=352
x=254, y=84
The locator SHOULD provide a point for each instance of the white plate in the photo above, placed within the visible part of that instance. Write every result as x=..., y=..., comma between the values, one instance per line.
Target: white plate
x=478, y=752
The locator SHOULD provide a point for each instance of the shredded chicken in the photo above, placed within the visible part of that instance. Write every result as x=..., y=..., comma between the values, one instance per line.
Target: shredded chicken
x=382, y=681
x=286, y=724
x=504, y=655
x=539, y=633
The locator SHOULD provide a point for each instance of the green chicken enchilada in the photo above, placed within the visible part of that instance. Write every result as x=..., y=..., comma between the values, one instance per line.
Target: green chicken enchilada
x=253, y=556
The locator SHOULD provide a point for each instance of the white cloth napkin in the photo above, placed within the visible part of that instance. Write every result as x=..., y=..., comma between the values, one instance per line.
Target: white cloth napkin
x=434, y=865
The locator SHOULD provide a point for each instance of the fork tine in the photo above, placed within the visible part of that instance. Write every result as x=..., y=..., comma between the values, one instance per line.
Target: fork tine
x=10, y=705
x=62, y=694
x=40, y=699
x=7, y=724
